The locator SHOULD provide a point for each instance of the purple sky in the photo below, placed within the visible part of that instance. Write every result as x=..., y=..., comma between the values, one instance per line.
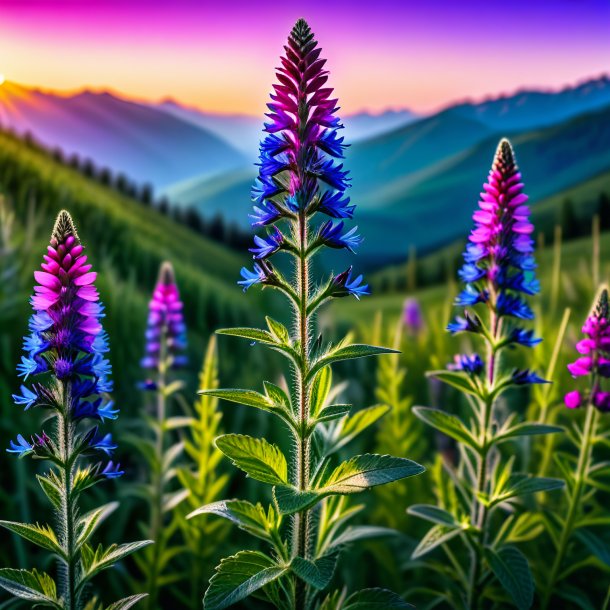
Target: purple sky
x=382, y=54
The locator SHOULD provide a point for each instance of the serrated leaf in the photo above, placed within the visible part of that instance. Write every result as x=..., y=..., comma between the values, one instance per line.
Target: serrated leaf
x=277, y=395
x=434, y=514
x=239, y=576
x=89, y=522
x=279, y=331
x=249, y=517
x=512, y=570
x=595, y=545
x=375, y=599
x=33, y=586
x=127, y=602
x=526, y=429
x=460, y=381
x=290, y=500
x=101, y=559
x=258, y=458
x=41, y=535
x=318, y=573
x=347, y=352
x=252, y=334
x=447, y=424
x=523, y=484
x=436, y=535
x=251, y=398
x=368, y=470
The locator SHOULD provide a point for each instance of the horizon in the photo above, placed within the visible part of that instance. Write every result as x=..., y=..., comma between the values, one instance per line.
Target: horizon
x=221, y=61
x=486, y=97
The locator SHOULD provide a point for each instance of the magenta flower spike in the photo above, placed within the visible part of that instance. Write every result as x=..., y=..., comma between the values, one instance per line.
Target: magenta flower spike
x=67, y=375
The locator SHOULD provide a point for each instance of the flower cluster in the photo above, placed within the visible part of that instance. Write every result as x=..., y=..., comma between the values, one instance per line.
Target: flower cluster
x=299, y=171
x=499, y=266
x=594, y=361
x=166, y=330
x=67, y=341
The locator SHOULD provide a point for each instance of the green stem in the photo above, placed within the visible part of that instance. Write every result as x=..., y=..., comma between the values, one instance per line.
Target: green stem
x=582, y=470
x=69, y=581
x=156, y=518
x=301, y=520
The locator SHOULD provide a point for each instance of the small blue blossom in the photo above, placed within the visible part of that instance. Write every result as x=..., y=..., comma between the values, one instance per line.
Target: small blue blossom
x=21, y=447
x=471, y=364
x=526, y=377
x=103, y=443
x=509, y=305
x=252, y=277
x=266, y=246
x=336, y=205
x=31, y=366
x=344, y=285
x=264, y=214
x=27, y=398
x=524, y=337
x=330, y=235
x=112, y=471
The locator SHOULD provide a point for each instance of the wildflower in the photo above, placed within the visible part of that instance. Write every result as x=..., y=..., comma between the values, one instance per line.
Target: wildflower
x=344, y=285
x=166, y=330
x=471, y=364
x=412, y=316
x=331, y=236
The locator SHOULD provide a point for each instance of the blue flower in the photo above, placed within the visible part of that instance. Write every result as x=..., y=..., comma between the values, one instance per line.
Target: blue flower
x=34, y=344
x=526, y=377
x=112, y=471
x=471, y=273
x=331, y=144
x=266, y=246
x=264, y=214
x=21, y=447
x=27, y=397
x=524, y=337
x=264, y=188
x=471, y=364
x=274, y=145
x=336, y=205
x=471, y=296
x=330, y=234
x=252, y=277
x=508, y=305
x=31, y=366
x=100, y=344
x=469, y=323
x=344, y=285
x=103, y=443
x=40, y=322
x=330, y=172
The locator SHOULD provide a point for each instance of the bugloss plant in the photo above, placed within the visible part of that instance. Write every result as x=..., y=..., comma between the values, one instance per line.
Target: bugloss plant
x=65, y=351
x=164, y=353
x=570, y=528
x=205, y=483
x=300, y=180
x=484, y=512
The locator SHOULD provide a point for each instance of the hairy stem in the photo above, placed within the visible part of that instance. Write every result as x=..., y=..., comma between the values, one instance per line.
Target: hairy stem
x=301, y=520
x=68, y=582
x=582, y=470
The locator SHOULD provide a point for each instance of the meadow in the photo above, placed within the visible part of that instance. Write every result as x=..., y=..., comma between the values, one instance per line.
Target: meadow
x=487, y=491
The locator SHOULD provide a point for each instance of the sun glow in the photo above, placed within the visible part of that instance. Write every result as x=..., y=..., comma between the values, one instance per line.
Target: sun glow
x=2, y=79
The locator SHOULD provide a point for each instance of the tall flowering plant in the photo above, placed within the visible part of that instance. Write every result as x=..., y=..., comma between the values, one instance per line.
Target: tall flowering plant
x=300, y=181
x=165, y=345
x=483, y=512
x=67, y=376
x=573, y=525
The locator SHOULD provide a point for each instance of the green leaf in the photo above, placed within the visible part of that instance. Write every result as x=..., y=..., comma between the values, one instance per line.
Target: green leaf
x=375, y=599
x=461, y=381
x=356, y=424
x=101, y=559
x=33, y=586
x=251, y=398
x=249, y=517
x=434, y=514
x=318, y=573
x=127, y=602
x=252, y=334
x=50, y=486
x=290, y=500
x=360, y=532
x=320, y=388
x=277, y=395
x=347, y=352
x=595, y=545
x=368, y=470
x=437, y=535
x=239, y=576
x=332, y=412
x=41, y=535
x=523, y=484
x=89, y=522
x=512, y=570
x=447, y=424
x=256, y=457
x=279, y=331
x=526, y=429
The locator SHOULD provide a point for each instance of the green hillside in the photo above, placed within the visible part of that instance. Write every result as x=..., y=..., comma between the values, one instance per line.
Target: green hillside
x=126, y=243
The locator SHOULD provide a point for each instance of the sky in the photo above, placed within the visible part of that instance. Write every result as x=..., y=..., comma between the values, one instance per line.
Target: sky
x=219, y=56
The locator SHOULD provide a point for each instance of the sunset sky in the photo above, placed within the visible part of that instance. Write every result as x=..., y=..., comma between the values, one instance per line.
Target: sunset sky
x=382, y=54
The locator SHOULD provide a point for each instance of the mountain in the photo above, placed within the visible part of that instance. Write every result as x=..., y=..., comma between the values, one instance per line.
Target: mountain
x=529, y=109
x=244, y=132
x=145, y=143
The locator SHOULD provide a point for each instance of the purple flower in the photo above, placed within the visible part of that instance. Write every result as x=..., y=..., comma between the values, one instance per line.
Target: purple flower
x=166, y=330
x=264, y=214
x=266, y=246
x=412, y=316
x=112, y=471
x=471, y=364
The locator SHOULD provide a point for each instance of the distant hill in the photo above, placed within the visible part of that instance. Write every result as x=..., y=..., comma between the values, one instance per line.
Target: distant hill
x=145, y=143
